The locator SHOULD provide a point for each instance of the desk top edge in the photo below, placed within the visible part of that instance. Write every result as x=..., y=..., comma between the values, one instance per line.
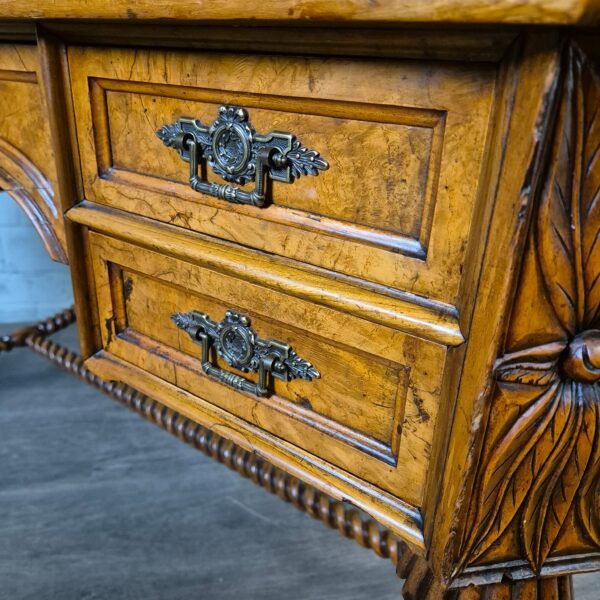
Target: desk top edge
x=515, y=12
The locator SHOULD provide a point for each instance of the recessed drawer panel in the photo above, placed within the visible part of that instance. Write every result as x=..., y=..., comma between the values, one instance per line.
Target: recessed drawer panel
x=369, y=406
x=404, y=141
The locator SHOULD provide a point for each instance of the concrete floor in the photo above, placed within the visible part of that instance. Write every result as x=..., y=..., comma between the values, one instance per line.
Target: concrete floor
x=96, y=503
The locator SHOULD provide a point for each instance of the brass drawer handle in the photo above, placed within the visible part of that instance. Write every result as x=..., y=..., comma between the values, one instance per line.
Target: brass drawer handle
x=237, y=343
x=238, y=154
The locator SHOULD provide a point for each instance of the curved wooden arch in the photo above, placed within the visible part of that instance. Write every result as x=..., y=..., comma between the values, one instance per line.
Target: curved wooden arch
x=32, y=191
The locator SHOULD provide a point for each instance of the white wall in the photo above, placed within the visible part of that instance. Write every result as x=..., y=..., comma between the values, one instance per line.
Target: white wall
x=31, y=285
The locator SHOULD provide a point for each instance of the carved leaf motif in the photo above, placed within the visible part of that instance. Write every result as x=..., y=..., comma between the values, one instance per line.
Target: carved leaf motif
x=168, y=134
x=511, y=466
x=589, y=493
x=557, y=245
x=568, y=227
x=188, y=322
x=534, y=366
x=541, y=457
x=300, y=368
x=566, y=452
x=204, y=141
x=304, y=161
x=590, y=195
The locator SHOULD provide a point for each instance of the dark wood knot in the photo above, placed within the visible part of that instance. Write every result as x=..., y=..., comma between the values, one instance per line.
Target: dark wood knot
x=581, y=358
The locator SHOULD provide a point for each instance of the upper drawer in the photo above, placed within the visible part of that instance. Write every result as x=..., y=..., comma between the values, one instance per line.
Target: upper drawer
x=404, y=140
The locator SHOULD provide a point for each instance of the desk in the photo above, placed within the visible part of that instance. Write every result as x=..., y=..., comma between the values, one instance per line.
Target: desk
x=351, y=250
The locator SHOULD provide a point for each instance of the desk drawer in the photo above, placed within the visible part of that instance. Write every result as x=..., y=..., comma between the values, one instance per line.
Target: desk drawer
x=405, y=143
x=372, y=410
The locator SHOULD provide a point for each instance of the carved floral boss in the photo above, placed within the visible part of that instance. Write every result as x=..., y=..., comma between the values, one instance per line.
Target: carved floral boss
x=238, y=154
x=539, y=479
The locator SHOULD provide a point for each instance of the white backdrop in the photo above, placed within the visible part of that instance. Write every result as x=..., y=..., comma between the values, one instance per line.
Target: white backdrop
x=31, y=285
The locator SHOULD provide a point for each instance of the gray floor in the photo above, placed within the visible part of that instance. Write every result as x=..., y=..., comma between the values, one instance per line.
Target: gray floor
x=96, y=503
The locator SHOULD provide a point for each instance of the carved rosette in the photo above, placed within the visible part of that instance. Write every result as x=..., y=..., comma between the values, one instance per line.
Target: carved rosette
x=537, y=491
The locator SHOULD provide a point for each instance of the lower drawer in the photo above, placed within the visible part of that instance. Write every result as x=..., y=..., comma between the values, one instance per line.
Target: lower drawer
x=370, y=414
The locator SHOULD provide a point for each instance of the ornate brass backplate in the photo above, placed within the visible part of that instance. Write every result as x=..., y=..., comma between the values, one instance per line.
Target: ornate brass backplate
x=237, y=344
x=238, y=154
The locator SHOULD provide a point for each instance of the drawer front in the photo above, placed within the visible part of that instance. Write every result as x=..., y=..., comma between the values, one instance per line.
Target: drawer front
x=404, y=141
x=371, y=412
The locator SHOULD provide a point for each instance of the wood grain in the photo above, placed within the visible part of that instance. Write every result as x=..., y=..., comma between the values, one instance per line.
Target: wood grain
x=443, y=275
x=561, y=12
x=455, y=43
x=56, y=94
x=537, y=488
x=405, y=312
x=371, y=415
x=518, y=160
x=400, y=517
x=419, y=581
x=334, y=514
x=378, y=214
x=401, y=201
x=27, y=170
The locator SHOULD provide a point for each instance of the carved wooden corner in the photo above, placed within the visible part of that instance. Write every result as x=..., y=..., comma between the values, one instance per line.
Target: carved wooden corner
x=536, y=499
x=33, y=192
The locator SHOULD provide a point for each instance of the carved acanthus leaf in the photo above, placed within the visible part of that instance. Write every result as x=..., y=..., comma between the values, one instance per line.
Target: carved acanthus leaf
x=301, y=368
x=304, y=161
x=168, y=134
x=541, y=457
x=187, y=322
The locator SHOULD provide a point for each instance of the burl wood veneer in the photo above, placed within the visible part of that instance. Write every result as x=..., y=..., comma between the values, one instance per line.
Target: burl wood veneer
x=27, y=170
x=422, y=297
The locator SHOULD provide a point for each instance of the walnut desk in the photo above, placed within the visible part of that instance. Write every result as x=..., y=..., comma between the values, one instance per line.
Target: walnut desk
x=349, y=249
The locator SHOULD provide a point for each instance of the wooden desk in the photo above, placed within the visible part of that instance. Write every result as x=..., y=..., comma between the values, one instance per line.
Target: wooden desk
x=350, y=249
